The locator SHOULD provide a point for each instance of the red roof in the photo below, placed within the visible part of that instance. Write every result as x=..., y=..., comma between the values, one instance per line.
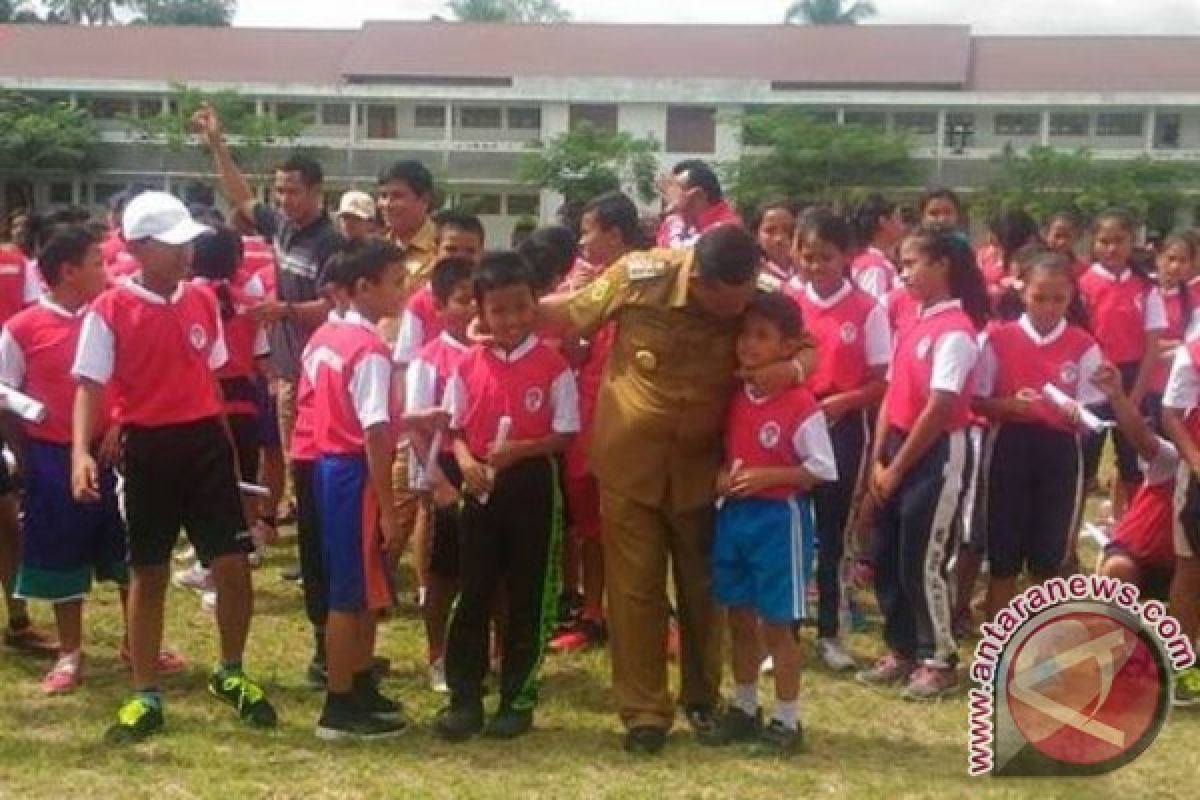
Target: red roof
x=1086, y=63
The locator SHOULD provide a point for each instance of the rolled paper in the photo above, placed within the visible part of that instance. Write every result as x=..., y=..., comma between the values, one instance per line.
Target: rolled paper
x=734, y=467
x=22, y=405
x=253, y=489
x=503, y=429
x=1060, y=399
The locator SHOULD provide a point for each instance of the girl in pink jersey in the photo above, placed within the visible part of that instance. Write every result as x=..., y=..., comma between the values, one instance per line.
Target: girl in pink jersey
x=1179, y=286
x=775, y=226
x=878, y=228
x=1060, y=232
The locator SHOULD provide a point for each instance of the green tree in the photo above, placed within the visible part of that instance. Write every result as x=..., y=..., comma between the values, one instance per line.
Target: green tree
x=586, y=162
x=789, y=154
x=38, y=136
x=516, y=11
x=829, y=12
x=206, y=13
x=84, y=12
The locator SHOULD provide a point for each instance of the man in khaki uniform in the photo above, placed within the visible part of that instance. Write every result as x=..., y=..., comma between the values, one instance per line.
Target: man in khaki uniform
x=656, y=449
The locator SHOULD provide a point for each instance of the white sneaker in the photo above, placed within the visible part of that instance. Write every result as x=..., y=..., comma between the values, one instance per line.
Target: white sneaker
x=767, y=666
x=834, y=655
x=437, y=677
x=208, y=600
x=195, y=577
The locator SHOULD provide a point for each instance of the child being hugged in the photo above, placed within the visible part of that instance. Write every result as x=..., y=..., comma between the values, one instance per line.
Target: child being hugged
x=777, y=452
x=514, y=407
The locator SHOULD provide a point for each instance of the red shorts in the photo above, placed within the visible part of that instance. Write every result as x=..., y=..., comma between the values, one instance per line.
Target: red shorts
x=583, y=504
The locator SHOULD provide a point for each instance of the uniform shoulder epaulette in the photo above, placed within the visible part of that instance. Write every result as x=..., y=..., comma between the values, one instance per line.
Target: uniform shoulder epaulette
x=645, y=266
x=768, y=282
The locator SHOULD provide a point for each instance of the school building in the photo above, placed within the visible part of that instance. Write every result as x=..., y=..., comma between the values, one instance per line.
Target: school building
x=470, y=99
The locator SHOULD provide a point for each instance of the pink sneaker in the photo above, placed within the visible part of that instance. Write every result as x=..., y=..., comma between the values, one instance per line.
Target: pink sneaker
x=931, y=683
x=891, y=669
x=64, y=677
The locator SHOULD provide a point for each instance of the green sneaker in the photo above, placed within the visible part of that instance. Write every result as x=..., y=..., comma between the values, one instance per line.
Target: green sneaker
x=1187, y=689
x=137, y=720
x=246, y=696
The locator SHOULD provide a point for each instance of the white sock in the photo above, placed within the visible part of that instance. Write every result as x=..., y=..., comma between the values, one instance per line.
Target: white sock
x=70, y=659
x=788, y=714
x=746, y=698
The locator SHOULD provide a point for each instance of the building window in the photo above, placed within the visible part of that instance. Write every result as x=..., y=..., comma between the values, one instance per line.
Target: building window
x=296, y=112
x=103, y=192
x=1119, y=123
x=62, y=194
x=381, y=122
x=691, y=129
x=960, y=131
x=335, y=114
x=523, y=205
x=918, y=123
x=1069, y=124
x=149, y=107
x=481, y=117
x=1167, y=131
x=481, y=203
x=1018, y=124
x=429, y=117
x=602, y=117
x=525, y=119
x=871, y=120
x=111, y=107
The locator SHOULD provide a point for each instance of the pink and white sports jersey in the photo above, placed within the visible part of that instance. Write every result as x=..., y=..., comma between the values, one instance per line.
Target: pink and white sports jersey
x=1146, y=529
x=430, y=372
x=1177, y=328
x=258, y=260
x=1015, y=356
x=851, y=330
x=1121, y=310
x=119, y=264
x=20, y=285
x=874, y=273
x=37, y=348
x=532, y=386
x=348, y=365
x=589, y=377
x=303, y=446
x=245, y=339
x=158, y=353
x=419, y=325
x=938, y=353
x=787, y=429
x=902, y=311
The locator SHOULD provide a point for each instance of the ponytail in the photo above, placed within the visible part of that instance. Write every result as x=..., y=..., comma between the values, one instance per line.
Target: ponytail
x=963, y=278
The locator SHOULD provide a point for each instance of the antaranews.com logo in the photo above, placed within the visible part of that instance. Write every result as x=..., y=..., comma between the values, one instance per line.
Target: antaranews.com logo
x=1073, y=678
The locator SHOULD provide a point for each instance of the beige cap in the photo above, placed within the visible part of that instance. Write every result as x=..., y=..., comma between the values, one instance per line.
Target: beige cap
x=358, y=204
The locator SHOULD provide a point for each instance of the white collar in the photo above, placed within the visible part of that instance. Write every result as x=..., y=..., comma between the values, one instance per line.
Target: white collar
x=840, y=294
x=939, y=308
x=352, y=317
x=754, y=398
x=1102, y=271
x=450, y=341
x=1037, y=338
x=519, y=352
x=875, y=251
x=45, y=302
x=134, y=285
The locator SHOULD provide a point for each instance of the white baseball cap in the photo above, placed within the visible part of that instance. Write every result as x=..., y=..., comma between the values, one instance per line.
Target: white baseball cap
x=357, y=204
x=159, y=216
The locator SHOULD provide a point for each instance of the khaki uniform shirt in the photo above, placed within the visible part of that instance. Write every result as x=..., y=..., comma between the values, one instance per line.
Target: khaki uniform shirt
x=419, y=258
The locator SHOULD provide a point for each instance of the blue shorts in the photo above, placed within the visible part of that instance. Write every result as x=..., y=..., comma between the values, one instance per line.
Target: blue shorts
x=269, y=435
x=355, y=568
x=758, y=558
x=66, y=543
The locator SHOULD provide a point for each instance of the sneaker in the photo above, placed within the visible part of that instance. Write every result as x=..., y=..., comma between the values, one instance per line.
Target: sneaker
x=585, y=633
x=369, y=699
x=65, y=676
x=315, y=675
x=246, y=696
x=777, y=739
x=437, y=676
x=137, y=720
x=645, y=740
x=509, y=724
x=1187, y=689
x=735, y=725
x=336, y=724
x=458, y=723
x=887, y=671
x=931, y=683
x=195, y=577
x=30, y=640
x=834, y=655
x=767, y=666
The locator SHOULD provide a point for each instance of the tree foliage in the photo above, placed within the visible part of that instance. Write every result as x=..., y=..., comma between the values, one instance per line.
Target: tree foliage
x=829, y=12
x=84, y=12
x=204, y=13
x=587, y=162
x=789, y=154
x=40, y=135
x=515, y=11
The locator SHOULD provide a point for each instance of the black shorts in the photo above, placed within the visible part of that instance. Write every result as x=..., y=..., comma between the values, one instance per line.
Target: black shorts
x=8, y=484
x=1154, y=582
x=443, y=556
x=246, y=439
x=182, y=476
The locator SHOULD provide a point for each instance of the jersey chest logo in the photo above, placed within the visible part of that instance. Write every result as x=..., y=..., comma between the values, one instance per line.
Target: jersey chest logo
x=923, y=347
x=769, y=433
x=1068, y=373
x=849, y=333
x=534, y=398
x=197, y=336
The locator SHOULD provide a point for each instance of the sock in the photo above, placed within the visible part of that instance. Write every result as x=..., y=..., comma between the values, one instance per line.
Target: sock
x=229, y=668
x=746, y=697
x=150, y=697
x=788, y=714
x=71, y=658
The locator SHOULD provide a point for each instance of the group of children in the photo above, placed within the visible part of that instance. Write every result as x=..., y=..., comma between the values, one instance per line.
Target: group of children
x=949, y=421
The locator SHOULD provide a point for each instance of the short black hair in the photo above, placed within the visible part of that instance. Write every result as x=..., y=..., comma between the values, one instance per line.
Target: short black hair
x=728, y=254
x=550, y=252
x=308, y=168
x=616, y=210
x=217, y=253
x=826, y=226
x=700, y=176
x=413, y=174
x=500, y=270
x=67, y=244
x=459, y=220
x=780, y=310
x=206, y=214
x=366, y=258
x=448, y=274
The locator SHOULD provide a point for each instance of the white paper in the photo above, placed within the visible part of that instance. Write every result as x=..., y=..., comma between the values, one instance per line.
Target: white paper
x=22, y=405
x=1089, y=420
x=253, y=489
x=733, y=468
x=503, y=429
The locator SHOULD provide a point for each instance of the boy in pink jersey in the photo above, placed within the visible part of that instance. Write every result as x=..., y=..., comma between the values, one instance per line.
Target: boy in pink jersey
x=777, y=450
x=514, y=407
x=156, y=340
x=347, y=364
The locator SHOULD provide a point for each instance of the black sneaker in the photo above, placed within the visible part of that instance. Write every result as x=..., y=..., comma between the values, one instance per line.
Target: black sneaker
x=457, y=723
x=137, y=720
x=703, y=718
x=350, y=722
x=645, y=740
x=368, y=697
x=315, y=675
x=735, y=725
x=779, y=740
x=509, y=724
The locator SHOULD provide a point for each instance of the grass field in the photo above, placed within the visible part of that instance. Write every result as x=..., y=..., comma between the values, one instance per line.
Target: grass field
x=862, y=743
